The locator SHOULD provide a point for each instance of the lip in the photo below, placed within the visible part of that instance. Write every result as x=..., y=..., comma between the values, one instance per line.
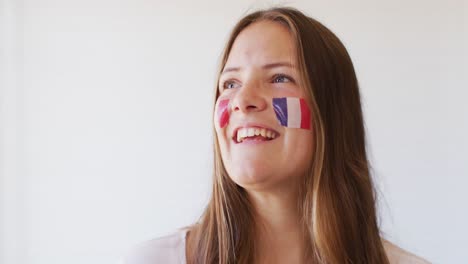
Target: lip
x=253, y=125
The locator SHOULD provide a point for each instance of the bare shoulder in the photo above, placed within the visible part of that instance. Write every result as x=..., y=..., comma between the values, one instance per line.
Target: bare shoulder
x=397, y=255
x=165, y=249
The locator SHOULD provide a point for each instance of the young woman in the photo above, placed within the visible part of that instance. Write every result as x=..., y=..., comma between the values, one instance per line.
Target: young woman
x=291, y=179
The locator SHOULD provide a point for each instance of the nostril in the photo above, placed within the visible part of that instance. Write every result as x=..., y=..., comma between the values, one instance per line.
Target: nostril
x=248, y=104
x=246, y=108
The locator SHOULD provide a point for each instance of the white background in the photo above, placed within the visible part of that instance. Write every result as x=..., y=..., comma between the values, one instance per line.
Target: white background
x=105, y=111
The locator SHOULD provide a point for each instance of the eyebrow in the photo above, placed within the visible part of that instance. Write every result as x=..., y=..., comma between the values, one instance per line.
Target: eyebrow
x=265, y=67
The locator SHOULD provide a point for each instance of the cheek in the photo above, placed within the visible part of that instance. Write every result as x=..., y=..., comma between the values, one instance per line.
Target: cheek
x=222, y=112
x=299, y=144
x=292, y=112
x=221, y=120
x=221, y=137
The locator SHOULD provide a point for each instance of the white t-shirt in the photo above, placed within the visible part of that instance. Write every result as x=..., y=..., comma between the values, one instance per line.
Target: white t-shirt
x=170, y=249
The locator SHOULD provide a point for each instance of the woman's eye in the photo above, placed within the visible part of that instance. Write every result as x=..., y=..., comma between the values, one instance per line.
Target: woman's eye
x=229, y=85
x=281, y=78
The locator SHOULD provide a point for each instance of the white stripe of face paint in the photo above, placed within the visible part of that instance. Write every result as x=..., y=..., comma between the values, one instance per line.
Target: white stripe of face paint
x=294, y=112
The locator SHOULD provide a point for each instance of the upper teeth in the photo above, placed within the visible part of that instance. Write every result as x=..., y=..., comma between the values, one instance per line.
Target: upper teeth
x=253, y=131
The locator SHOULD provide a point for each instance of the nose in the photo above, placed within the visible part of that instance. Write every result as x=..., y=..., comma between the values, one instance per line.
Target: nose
x=249, y=99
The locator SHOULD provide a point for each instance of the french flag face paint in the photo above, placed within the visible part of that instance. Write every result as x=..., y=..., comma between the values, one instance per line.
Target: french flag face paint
x=223, y=112
x=292, y=112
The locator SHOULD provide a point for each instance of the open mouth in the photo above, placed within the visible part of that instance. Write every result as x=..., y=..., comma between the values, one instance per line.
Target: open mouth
x=254, y=133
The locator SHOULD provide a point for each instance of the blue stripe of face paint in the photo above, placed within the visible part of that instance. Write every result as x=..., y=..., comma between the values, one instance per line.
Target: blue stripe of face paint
x=281, y=110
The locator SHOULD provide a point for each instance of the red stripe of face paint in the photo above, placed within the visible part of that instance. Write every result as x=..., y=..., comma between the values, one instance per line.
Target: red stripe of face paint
x=305, y=114
x=223, y=112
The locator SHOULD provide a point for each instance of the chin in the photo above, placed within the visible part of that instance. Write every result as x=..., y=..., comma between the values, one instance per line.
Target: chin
x=251, y=177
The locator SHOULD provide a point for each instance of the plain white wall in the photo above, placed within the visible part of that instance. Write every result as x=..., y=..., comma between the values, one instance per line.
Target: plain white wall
x=105, y=114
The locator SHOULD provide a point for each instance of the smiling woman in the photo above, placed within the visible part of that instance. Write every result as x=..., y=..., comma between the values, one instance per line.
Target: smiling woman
x=291, y=181
x=256, y=73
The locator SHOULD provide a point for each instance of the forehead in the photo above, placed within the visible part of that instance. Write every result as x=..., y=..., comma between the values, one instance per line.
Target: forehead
x=261, y=43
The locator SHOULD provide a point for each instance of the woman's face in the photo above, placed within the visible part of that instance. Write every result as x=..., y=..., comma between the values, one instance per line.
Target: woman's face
x=261, y=66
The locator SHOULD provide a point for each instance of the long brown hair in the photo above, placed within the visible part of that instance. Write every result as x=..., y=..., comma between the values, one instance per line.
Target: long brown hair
x=338, y=199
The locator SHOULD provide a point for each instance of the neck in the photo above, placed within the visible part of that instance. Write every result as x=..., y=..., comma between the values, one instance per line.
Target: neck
x=279, y=236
